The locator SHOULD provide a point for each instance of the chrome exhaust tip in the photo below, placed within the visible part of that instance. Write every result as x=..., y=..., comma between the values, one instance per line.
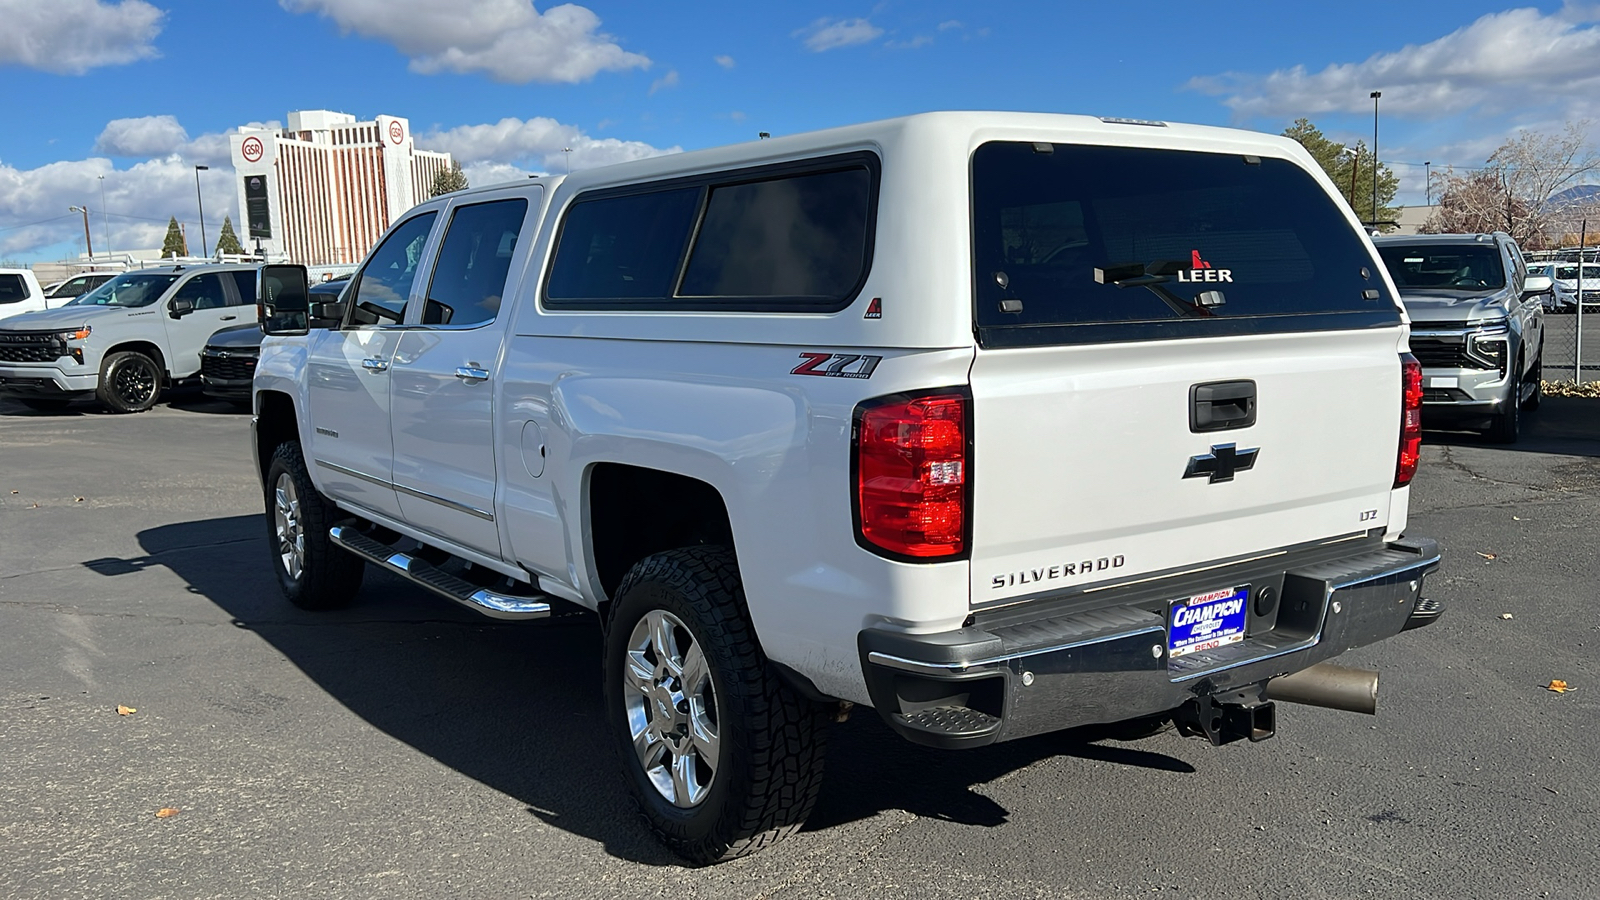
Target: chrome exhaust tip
x=1329, y=686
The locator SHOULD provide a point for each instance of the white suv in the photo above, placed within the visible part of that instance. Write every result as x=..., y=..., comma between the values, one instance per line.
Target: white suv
x=125, y=340
x=997, y=423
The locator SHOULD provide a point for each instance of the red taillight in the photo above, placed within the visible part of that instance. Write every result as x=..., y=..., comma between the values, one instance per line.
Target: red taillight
x=1410, y=419
x=911, y=475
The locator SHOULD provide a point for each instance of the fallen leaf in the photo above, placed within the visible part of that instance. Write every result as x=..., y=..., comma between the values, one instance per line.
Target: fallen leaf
x=166, y=812
x=77, y=500
x=1505, y=615
x=1557, y=685
x=33, y=506
x=16, y=492
x=1516, y=518
x=125, y=710
x=1486, y=555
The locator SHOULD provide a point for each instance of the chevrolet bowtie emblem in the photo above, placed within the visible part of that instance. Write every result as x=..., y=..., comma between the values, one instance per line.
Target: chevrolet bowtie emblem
x=1221, y=462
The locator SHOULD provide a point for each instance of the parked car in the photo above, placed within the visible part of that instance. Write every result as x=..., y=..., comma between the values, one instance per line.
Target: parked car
x=228, y=362
x=1566, y=275
x=954, y=416
x=20, y=293
x=1477, y=325
x=1563, y=295
x=124, y=341
x=78, y=285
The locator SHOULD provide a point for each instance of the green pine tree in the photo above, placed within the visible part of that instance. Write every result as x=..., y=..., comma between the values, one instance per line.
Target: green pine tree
x=173, y=245
x=451, y=179
x=228, y=242
x=1337, y=160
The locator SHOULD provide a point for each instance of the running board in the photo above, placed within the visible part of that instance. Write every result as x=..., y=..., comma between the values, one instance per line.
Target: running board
x=423, y=574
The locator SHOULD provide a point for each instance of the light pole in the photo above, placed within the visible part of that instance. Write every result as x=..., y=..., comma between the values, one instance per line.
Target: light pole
x=1375, y=96
x=86, y=242
x=1427, y=180
x=105, y=217
x=202, y=204
x=566, y=157
x=1355, y=165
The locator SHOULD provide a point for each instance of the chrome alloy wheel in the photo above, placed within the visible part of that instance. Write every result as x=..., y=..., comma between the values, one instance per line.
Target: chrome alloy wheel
x=672, y=708
x=286, y=523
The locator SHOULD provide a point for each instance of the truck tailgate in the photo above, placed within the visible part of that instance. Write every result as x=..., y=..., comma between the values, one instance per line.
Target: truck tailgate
x=1080, y=455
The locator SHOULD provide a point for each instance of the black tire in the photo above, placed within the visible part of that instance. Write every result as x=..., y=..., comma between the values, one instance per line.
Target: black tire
x=1505, y=427
x=130, y=382
x=322, y=576
x=769, y=740
x=1537, y=377
x=44, y=404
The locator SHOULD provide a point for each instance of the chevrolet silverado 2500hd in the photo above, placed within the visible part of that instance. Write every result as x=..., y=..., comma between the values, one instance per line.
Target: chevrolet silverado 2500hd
x=997, y=423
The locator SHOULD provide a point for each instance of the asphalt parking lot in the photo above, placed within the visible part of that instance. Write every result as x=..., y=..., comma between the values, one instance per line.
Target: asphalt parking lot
x=402, y=748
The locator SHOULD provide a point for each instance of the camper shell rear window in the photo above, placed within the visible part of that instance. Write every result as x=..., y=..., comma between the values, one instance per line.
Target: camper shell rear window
x=789, y=238
x=1075, y=243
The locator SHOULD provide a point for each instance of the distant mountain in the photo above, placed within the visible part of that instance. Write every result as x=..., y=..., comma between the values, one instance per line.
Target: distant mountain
x=1580, y=195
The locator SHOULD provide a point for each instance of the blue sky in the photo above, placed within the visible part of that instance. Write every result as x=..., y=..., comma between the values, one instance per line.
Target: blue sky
x=138, y=91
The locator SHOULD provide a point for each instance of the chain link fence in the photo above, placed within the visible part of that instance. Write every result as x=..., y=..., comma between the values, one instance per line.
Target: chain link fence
x=1566, y=356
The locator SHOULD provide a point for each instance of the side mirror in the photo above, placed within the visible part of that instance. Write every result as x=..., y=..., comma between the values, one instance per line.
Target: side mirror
x=1536, y=284
x=180, y=307
x=283, y=299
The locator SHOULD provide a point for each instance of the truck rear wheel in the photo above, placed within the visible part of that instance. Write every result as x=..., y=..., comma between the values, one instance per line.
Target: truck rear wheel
x=722, y=757
x=130, y=382
x=312, y=572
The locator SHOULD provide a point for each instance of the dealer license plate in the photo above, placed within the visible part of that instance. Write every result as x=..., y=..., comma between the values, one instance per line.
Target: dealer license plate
x=1207, y=621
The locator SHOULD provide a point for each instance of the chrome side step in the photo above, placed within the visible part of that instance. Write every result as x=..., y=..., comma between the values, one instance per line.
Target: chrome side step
x=423, y=574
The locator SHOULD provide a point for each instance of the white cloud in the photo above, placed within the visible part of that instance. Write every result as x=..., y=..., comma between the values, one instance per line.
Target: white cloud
x=508, y=40
x=70, y=37
x=483, y=174
x=139, y=199
x=669, y=80
x=539, y=141
x=1501, y=61
x=948, y=25
x=828, y=34
x=143, y=137
x=725, y=61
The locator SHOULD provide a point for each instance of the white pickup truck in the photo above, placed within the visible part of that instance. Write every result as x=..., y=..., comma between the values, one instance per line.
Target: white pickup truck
x=997, y=423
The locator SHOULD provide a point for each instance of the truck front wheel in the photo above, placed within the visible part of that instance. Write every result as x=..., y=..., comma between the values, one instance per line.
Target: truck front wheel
x=722, y=757
x=313, y=573
x=130, y=382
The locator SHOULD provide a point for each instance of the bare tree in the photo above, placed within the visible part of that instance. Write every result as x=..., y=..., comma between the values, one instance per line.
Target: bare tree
x=1516, y=191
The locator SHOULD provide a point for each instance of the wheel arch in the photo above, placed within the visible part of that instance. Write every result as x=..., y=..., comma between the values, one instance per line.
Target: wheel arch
x=632, y=511
x=148, y=348
x=275, y=423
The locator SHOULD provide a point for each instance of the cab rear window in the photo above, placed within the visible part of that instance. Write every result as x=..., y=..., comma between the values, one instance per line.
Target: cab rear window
x=1087, y=243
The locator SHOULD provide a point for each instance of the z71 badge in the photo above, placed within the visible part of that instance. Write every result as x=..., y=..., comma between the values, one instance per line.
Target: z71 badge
x=837, y=365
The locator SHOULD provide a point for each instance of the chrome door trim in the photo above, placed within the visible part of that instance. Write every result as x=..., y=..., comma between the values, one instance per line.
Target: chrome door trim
x=458, y=507
x=424, y=495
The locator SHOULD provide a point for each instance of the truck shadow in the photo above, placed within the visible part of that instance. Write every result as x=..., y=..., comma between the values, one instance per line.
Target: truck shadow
x=1562, y=426
x=517, y=706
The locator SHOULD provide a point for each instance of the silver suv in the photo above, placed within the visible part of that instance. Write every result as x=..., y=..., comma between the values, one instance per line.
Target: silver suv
x=1477, y=326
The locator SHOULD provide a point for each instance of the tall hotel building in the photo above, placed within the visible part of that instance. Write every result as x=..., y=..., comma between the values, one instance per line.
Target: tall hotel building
x=323, y=190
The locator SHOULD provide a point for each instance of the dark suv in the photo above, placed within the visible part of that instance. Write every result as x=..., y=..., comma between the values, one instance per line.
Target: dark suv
x=228, y=362
x=1477, y=326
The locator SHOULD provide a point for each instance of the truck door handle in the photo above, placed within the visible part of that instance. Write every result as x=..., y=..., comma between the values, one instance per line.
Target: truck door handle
x=1222, y=406
x=471, y=373
x=375, y=365
x=228, y=318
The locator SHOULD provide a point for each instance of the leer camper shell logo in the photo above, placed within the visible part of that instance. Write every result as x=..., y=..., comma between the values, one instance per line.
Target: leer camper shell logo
x=1200, y=270
x=252, y=149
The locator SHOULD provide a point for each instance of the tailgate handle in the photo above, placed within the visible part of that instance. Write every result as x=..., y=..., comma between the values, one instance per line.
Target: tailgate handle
x=1222, y=406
